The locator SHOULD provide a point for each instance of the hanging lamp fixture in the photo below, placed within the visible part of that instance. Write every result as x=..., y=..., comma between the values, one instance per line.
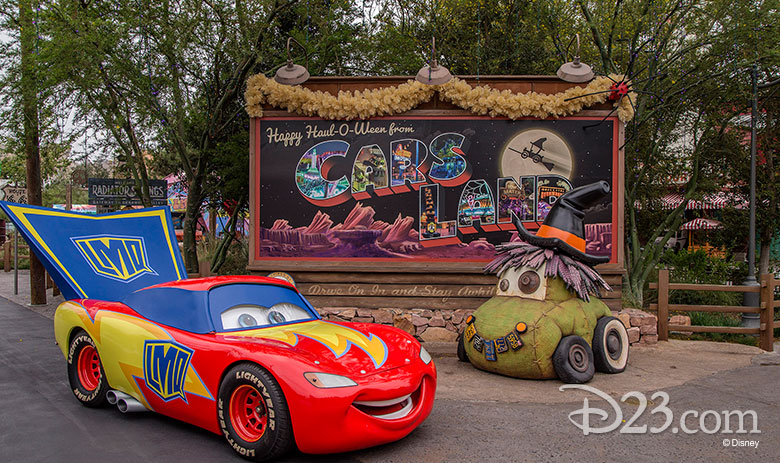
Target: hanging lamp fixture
x=433, y=73
x=292, y=74
x=575, y=71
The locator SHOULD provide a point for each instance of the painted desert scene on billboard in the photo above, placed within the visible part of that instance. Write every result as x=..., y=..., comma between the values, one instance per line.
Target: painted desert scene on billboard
x=424, y=189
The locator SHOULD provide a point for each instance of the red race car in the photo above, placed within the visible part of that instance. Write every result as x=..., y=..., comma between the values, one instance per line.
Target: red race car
x=249, y=358
x=246, y=357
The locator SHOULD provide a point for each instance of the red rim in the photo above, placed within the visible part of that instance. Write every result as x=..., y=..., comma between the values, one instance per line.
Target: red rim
x=248, y=413
x=89, y=368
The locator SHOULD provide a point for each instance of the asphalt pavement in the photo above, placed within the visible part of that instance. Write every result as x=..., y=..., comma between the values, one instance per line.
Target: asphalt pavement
x=477, y=416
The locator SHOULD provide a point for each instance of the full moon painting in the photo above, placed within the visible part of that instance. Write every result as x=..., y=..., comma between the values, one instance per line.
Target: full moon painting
x=536, y=152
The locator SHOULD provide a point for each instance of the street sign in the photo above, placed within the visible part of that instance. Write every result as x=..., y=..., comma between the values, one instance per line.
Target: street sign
x=121, y=191
x=14, y=194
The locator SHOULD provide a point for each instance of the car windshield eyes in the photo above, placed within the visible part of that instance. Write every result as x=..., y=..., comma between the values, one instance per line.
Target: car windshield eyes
x=245, y=320
x=252, y=316
x=275, y=317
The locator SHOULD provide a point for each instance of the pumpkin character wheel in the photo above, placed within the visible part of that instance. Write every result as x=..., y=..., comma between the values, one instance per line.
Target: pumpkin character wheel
x=462, y=349
x=573, y=360
x=85, y=372
x=253, y=413
x=610, y=345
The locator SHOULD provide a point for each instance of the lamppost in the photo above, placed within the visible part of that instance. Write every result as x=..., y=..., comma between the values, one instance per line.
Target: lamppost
x=751, y=320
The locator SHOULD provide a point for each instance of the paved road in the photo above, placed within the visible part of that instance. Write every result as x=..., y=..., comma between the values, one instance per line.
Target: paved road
x=41, y=421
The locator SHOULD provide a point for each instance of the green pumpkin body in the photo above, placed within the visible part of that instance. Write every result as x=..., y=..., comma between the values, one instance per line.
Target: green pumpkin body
x=560, y=314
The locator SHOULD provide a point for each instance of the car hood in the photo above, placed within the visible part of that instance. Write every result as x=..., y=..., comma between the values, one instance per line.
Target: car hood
x=105, y=257
x=356, y=349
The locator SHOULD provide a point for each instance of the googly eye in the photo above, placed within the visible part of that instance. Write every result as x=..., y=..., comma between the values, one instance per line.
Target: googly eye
x=276, y=317
x=528, y=282
x=245, y=320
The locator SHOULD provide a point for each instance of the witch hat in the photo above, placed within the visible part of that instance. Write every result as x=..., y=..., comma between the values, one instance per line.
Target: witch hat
x=563, y=228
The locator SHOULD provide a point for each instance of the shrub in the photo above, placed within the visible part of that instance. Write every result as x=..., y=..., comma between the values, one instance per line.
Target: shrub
x=698, y=267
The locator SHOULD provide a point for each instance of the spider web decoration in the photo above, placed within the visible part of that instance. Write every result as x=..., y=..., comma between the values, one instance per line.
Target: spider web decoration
x=579, y=277
x=477, y=190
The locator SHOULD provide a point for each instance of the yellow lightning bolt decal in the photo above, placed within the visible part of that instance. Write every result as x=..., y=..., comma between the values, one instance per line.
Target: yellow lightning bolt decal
x=119, y=336
x=337, y=338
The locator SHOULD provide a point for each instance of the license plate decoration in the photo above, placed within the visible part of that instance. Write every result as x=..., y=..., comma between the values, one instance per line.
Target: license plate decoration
x=492, y=347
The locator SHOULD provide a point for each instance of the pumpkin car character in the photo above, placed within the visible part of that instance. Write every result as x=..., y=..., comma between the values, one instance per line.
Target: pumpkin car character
x=543, y=321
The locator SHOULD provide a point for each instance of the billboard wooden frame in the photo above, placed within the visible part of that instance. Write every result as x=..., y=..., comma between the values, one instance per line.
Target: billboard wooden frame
x=350, y=284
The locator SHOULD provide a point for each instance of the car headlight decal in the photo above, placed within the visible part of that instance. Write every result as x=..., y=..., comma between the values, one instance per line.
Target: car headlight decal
x=424, y=355
x=327, y=380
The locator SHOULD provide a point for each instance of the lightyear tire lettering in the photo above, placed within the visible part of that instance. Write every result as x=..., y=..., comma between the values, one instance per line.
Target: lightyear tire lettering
x=85, y=371
x=250, y=382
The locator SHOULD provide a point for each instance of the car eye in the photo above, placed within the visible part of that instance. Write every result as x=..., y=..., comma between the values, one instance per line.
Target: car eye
x=504, y=285
x=276, y=317
x=245, y=320
x=528, y=282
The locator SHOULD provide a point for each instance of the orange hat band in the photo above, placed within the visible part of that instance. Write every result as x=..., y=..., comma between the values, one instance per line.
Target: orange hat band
x=569, y=238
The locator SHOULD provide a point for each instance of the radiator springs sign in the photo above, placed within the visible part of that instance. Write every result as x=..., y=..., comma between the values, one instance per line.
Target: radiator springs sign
x=121, y=191
x=421, y=188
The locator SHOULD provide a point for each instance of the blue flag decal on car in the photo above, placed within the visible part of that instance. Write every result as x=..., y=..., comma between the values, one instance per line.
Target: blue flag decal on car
x=165, y=368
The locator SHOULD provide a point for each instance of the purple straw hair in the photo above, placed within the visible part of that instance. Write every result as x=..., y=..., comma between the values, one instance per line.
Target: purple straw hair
x=579, y=277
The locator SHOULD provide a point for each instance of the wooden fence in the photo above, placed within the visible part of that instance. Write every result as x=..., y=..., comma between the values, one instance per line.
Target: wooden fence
x=8, y=253
x=24, y=253
x=765, y=309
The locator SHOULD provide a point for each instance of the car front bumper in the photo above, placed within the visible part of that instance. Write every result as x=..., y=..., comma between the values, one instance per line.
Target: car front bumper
x=327, y=420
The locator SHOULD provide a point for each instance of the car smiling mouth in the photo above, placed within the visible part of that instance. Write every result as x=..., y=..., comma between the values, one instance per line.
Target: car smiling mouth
x=390, y=409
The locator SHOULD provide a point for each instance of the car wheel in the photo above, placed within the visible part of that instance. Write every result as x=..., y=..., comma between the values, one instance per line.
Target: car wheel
x=610, y=345
x=85, y=372
x=462, y=349
x=253, y=414
x=573, y=360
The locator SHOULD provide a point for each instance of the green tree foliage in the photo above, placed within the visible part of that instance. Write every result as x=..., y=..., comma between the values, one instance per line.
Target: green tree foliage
x=687, y=63
x=472, y=37
x=167, y=78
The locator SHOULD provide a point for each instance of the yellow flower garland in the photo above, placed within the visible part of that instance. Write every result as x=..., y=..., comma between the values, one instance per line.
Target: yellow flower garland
x=388, y=101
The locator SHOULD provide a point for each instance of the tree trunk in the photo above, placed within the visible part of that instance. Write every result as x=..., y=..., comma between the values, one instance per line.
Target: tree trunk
x=192, y=212
x=28, y=38
x=227, y=237
x=766, y=247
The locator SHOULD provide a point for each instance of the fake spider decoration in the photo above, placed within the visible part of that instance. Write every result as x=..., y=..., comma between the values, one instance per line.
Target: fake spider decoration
x=621, y=89
x=617, y=91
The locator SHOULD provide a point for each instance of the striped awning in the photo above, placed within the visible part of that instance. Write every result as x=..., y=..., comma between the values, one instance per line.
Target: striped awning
x=709, y=201
x=701, y=224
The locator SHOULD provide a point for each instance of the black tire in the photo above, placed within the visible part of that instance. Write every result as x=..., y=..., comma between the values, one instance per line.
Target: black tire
x=610, y=345
x=85, y=371
x=243, y=387
x=462, y=356
x=573, y=360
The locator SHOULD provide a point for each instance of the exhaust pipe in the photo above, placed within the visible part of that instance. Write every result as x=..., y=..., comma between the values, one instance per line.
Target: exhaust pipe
x=124, y=402
x=130, y=405
x=113, y=396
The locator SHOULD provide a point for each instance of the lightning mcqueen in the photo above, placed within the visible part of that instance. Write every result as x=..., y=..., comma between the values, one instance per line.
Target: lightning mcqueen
x=248, y=358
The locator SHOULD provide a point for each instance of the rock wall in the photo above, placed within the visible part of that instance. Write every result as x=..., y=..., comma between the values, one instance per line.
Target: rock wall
x=426, y=325
x=444, y=325
x=642, y=327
